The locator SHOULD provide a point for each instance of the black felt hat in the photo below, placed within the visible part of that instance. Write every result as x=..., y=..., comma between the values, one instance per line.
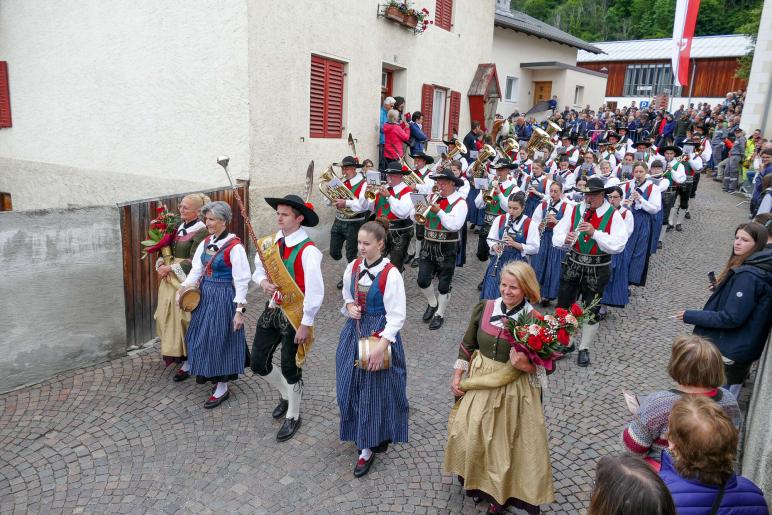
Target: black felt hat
x=429, y=159
x=594, y=185
x=447, y=173
x=350, y=161
x=395, y=168
x=675, y=149
x=310, y=218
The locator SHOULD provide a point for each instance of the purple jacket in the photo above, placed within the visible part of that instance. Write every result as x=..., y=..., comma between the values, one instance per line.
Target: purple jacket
x=741, y=496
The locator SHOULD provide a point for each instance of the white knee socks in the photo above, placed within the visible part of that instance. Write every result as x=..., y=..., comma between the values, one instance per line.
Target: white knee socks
x=431, y=298
x=444, y=299
x=276, y=378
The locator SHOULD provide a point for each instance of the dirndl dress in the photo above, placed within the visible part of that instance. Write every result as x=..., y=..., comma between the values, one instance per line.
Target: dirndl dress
x=216, y=352
x=547, y=262
x=490, y=289
x=656, y=227
x=616, y=293
x=639, y=242
x=373, y=405
x=474, y=214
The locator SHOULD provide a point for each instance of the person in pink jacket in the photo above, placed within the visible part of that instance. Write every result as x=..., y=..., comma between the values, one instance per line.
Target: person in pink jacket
x=395, y=134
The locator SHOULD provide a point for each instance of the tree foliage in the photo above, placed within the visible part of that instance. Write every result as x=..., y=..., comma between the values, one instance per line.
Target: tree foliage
x=614, y=20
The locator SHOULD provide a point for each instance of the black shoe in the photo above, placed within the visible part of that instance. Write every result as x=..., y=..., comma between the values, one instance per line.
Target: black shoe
x=381, y=447
x=281, y=409
x=479, y=286
x=571, y=348
x=288, y=429
x=339, y=285
x=669, y=228
x=213, y=401
x=436, y=322
x=679, y=228
x=545, y=303
x=409, y=258
x=477, y=230
x=414, y=264
x=602, y=313
x=494, y=509
x=429, y=313
x=181, y=375
x=583, y=359
x=688, y=215
x=659, y=244
x=363, y=467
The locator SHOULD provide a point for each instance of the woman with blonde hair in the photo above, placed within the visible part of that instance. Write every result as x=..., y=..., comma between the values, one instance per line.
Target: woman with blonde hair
x=497, y=439
x=171, y=321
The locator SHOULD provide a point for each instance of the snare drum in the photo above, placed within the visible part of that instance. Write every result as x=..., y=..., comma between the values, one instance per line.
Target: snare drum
x=363, y=352
x=190, y=296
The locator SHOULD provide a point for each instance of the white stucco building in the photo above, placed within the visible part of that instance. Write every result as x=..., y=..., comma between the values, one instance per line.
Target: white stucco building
x=757, y=111
x=113, y=101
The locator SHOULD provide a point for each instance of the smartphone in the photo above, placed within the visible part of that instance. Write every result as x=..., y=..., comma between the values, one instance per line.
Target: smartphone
x=712, y=279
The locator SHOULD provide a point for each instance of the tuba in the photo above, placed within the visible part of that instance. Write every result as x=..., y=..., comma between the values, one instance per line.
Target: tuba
x=552, y=128
x=509, y=145
x=335, y=193
x=478, y=167
x=540, y=141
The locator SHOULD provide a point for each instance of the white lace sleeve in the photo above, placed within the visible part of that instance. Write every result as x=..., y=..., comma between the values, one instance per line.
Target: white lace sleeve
x=538, y=378
x=461, y=364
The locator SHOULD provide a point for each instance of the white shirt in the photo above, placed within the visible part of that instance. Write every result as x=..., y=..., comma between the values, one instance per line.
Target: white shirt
x=651, y=206
x=502, y=198
x=628, y=218
x=394, y=299
x=610, y=243
x=538, y=213
x=464, y=190
x=401, y=207
x=456, y=219
x=611, y=158
x=359, y=204
x=531, y=245
x=497, y=311
x=312, y=273
x=676, y=171
x=239, y=267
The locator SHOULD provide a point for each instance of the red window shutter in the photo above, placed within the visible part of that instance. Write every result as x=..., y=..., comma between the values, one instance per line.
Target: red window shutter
x=427, y=101
x=455, y=112
x=444, y=14
x=326, y=104
x=5, y=97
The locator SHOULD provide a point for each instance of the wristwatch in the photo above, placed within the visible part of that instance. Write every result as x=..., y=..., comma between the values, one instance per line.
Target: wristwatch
x=242, y=310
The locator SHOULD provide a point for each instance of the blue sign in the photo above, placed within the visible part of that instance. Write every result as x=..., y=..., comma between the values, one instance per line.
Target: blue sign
x=644, y=104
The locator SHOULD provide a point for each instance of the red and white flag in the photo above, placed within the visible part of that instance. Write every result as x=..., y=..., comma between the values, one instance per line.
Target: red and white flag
x=683, y=32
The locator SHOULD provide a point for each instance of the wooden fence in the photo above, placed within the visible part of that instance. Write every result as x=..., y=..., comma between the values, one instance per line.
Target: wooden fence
x=140, y=282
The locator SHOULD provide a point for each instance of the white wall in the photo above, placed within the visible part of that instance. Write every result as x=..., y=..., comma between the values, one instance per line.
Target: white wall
x=757, y=111
x=510, y=49
x=594, y=89
x=145, y=88
x=280, y=50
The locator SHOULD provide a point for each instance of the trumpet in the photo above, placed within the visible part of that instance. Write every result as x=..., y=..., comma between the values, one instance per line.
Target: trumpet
x=411, y=179
x=335, y=193
x=478, y=167
x=421, y=216
x=489, y=195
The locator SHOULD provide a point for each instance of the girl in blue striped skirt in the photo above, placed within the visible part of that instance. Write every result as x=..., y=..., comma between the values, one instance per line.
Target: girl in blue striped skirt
x=372, y=399
x=616, y=293
x=642, y=197
x=546, y=263
x=215, y=336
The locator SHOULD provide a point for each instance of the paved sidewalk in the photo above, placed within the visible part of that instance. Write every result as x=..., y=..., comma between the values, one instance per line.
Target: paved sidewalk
x=121, y=437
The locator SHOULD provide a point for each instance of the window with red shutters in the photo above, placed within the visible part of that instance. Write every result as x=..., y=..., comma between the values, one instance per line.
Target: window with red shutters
x=455, y=113
x=326, y=106
x=443, y=15
x=5, y=97
x=427, y=101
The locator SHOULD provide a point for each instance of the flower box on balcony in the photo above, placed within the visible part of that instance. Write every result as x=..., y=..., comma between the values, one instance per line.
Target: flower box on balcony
x=393, y=13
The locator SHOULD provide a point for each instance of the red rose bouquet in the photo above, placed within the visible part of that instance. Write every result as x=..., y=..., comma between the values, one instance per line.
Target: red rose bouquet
x=544, y=340
x=160, y=234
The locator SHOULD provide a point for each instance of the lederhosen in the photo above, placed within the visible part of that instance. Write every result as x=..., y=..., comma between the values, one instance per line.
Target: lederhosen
x=491, y=212
x=668, y=197
x=345, y=229
x=438, y=252
x=400, y=229
x=273, y=328
x=586, y=268
x=685, y=189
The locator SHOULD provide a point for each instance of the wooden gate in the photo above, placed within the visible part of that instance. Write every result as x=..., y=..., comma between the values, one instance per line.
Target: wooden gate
x=140, y=282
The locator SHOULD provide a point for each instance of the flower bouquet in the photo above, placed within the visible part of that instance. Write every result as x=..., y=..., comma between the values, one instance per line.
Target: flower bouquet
x=160, y=234
x=544, y=340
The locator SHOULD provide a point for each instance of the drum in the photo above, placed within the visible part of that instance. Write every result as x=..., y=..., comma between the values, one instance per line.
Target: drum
x=363, y=352
x=190, y=296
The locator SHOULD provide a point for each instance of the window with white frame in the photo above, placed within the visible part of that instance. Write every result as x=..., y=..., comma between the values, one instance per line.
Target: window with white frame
x=579, y=95
x=510, y=91
x=648, y=80
x=438, y=113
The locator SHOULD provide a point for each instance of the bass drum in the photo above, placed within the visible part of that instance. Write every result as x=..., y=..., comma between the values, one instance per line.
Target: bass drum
x=189, y=298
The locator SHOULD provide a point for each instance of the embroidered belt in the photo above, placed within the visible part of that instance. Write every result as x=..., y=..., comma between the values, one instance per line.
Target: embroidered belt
x=400, y=224
x=359, y=217
x=441, y=236
x=589, y=259
x=489, y=218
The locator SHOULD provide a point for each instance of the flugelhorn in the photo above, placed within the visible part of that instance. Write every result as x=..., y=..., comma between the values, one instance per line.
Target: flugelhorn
x=420, y=217
x=489, y=196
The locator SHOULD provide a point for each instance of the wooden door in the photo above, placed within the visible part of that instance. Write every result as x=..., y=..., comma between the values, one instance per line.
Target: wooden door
x=542, y=91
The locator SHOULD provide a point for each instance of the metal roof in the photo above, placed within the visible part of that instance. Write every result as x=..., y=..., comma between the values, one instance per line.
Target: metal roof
x=733, y=45
x=521, y=22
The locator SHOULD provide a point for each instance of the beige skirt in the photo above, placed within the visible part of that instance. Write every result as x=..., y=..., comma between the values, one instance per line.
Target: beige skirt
x=171, y=322
x=497, y=440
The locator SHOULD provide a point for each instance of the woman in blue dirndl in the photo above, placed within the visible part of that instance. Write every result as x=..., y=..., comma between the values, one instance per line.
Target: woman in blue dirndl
x=513, y=237
x=616, y=293
x=642, y=197
x=372, y=399
x=215, y=336
x=537, y=186
x=546, y=263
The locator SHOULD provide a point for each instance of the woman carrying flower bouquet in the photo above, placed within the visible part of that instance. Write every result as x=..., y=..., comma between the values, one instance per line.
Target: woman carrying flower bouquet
x=497, y=440
x=372, y=397
x=215, y=337
x=171, y=321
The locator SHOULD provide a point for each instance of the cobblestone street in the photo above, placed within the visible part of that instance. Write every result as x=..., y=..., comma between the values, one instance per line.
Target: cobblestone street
x=121, y=437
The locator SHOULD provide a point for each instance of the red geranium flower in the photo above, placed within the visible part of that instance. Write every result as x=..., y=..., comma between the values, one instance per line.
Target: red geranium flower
x=560, y=312
x=563, y=337
x=309, y=206
x=160, y=209
x=576, y=310
x=535, y=343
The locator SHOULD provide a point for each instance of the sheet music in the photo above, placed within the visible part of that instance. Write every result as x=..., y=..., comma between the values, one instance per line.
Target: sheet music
x=373, y=178
x=481, y=183
x=336, y=183
x=419, y=199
